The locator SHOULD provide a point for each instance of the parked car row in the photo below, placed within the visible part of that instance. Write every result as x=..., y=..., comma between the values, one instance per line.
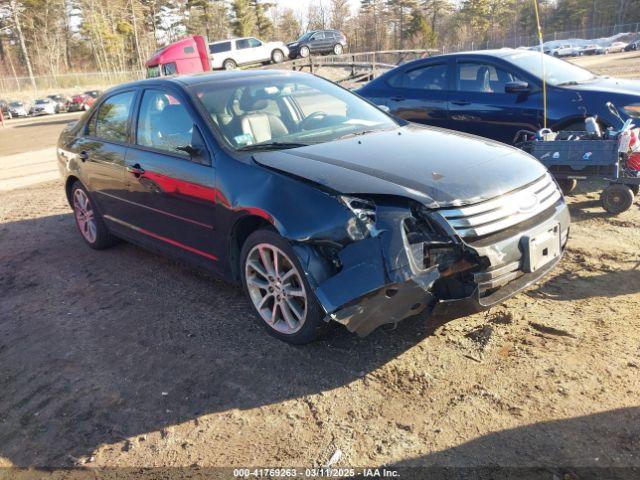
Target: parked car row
x=570, y=50
x=49, y=105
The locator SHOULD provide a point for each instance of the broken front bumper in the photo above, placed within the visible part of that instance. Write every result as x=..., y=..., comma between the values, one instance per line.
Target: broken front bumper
x=379, y=284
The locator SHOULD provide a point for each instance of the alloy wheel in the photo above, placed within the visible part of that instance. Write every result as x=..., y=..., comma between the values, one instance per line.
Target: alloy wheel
x=85, y=216
x=276, y=288
x=304, y=52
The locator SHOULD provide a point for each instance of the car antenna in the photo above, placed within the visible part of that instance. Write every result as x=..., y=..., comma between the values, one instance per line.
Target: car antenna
x=544, y=79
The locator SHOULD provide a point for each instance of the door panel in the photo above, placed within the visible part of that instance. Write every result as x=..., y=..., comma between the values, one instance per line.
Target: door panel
x=103, y=150
x=482, y=107
x=171, y=198
x=421, y=94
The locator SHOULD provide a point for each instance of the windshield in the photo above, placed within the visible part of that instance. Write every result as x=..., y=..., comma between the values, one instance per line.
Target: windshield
x=304, y=36
x=286, y=111
x=557, y=72
x=40, y=102
x=16, y=104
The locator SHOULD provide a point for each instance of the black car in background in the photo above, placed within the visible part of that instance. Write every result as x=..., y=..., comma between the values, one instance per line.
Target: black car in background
x=496, y=93
x=635, y=45
x=318, y=41
x=321, y=205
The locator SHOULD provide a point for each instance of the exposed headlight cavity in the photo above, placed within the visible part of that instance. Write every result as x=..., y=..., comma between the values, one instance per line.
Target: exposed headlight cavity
x=364, y=210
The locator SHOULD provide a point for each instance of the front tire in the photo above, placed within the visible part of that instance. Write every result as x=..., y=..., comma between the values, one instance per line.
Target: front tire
x=616, y=198
x=277, y=56
x=278, y=290
x=567, y=185
x=88, y=220
x=304, y=51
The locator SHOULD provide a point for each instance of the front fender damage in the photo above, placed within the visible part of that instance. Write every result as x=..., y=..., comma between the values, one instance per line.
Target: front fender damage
x=374, y=280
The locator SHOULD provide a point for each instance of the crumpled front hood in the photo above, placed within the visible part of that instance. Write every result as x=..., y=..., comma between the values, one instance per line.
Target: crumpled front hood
x=434, y=166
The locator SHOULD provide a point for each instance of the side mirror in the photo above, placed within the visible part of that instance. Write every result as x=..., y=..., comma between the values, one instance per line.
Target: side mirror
x=517, y=87
x=384, y=108
x=197, y=150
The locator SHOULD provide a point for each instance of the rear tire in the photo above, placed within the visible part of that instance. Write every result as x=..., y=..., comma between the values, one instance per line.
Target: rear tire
x=337, y=49
x=229, y=64
x=88, y=220
x=278, y=290
x=616, y=198
x=635, y=189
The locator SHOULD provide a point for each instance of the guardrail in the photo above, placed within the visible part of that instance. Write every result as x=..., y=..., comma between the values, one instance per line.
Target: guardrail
x=361, y=66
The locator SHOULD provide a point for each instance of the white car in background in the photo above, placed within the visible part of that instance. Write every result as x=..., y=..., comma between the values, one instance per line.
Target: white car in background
x=43, y=106
x=616, y=47
x=228, y=54
x=564, y=51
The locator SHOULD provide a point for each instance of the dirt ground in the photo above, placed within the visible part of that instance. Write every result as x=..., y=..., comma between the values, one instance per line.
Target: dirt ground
x=122, y=358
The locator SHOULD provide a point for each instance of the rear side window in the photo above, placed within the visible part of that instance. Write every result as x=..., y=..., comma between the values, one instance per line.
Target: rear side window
x=220, y=47
x=164, y=123
x=112, y=119
x=429, y=77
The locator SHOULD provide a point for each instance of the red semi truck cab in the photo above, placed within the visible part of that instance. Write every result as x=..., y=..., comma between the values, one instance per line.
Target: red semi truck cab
x=189, y=55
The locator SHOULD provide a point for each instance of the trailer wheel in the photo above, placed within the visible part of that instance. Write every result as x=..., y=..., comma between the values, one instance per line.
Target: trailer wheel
x=616, y=198
x=567, y=185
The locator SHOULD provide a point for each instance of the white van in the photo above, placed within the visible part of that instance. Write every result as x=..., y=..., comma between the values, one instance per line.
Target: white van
x=228, y=54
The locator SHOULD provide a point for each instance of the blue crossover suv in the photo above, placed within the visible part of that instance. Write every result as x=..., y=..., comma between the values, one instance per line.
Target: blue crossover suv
x=496, y=93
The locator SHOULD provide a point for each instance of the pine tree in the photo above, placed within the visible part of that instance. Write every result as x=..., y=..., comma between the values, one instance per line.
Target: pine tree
x=244, y=22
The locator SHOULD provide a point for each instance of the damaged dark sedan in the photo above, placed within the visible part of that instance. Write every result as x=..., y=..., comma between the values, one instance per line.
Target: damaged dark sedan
x=321, y=205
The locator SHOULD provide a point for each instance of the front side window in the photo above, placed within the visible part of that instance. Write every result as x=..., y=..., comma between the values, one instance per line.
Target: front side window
x=482, y=77
x=285, y=112
x=242, y=44
x=153, y=72
x=112, y=119
x=318, y=36
x=164, y=123
x=429, y=77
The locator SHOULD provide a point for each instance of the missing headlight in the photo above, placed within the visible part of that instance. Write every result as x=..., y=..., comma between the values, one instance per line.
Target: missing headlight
x=364, y=210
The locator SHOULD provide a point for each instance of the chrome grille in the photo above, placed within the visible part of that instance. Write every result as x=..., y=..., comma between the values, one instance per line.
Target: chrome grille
x=505, y=211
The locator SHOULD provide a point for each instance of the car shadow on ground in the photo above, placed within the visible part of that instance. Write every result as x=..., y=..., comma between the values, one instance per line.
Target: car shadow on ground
x=553, y=449
x=99, y=346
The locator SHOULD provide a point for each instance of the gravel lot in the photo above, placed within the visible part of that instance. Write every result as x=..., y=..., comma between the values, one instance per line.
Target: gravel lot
x=123, y=358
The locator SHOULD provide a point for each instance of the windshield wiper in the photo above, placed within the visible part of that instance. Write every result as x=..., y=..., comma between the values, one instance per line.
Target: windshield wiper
x=272, y=146
x=567, y=84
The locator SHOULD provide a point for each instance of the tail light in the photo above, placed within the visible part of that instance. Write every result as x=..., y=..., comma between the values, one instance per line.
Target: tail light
x=633, y=161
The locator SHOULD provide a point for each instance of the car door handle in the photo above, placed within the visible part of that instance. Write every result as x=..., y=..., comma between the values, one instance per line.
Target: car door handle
x=461, y=102
x=83, y=156
x=136, y=169
x=397, y=99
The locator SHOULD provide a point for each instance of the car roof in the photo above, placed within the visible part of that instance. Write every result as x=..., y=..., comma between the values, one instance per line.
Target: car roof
x=210, y=77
